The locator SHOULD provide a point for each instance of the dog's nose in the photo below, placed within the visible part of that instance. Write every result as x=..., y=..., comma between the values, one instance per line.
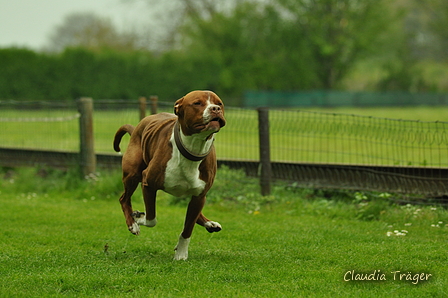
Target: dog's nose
x=215, y=108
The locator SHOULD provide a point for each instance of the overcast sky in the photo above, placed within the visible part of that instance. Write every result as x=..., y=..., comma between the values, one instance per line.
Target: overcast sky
x=28, y=23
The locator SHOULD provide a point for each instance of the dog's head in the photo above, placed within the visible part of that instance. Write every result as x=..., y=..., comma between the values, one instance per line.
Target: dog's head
x=200, y=111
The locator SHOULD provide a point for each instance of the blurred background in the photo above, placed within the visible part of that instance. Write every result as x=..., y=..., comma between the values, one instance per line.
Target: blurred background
x=121, y=49
x=370, y=78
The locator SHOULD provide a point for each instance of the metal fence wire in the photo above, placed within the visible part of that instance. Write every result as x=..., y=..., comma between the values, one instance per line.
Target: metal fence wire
x=342, y=151
x=330, y=138
x=312, y=149
x=39, y=125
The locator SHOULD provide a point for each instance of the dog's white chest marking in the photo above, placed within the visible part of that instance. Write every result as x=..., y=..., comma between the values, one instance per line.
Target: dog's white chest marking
x=182, y=178
x=182, y=175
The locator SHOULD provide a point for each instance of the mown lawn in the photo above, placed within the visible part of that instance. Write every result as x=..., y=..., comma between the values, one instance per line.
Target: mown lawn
x=66, y=237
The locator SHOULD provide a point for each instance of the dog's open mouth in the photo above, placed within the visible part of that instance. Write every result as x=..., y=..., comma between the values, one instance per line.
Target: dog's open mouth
x=220, y=121
x=215, y=124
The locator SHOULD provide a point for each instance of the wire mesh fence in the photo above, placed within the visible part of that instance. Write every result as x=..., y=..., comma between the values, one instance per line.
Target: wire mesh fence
x=55, y=126
x=109, y=115
x=342, y=151
x=39, y=125
x=330, y=138
x=310, y=148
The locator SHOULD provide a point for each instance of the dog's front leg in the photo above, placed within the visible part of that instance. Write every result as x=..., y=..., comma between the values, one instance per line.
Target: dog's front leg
x=149, y=195
x=181, y=250
x=194, y=210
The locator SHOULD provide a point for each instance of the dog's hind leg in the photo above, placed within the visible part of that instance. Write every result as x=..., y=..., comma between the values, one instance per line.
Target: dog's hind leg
x=210, y=226
x=130, y=184
x=133, y=165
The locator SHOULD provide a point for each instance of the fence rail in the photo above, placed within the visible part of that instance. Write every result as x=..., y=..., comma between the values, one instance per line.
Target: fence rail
x=429, y=182
x=311, y=149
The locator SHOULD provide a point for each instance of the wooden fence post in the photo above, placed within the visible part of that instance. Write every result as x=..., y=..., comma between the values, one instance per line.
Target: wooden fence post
x=265, y=155
x=87, y=151
x=142, y=107
x=154, y=99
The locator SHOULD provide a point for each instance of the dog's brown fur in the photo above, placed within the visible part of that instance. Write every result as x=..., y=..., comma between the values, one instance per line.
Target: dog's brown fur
x=150, y=148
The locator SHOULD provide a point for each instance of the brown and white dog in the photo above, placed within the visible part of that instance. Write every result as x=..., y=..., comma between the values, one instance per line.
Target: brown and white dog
x=173, y=153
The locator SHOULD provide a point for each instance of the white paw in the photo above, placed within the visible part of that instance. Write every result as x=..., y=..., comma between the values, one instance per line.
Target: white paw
x=134, y=229
x=181, y=250
x=140, y=219
x=212, y=226
x=145, y=222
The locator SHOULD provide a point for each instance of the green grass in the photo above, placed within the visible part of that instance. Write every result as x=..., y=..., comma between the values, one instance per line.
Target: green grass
x=296, y=136
x=295, y=243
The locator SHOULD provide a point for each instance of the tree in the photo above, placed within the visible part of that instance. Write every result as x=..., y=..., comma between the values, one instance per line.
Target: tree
x=92, y=32
x=256, y=42
x=439, y=24
x=435, y=27
x=338, y=32
x=166, y=18
x=253, y=47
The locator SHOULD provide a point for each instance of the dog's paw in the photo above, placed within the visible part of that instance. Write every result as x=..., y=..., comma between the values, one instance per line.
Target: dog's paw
x=141, y=220
x=181, y=250
x=212, y=226
x=139, y=217
x=136, y=215
x=134, y=229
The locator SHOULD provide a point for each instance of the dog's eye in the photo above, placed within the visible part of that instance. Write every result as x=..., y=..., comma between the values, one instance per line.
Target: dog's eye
x=197, y=103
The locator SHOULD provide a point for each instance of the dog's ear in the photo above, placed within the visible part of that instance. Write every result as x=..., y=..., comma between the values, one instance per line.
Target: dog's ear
x=178, y=106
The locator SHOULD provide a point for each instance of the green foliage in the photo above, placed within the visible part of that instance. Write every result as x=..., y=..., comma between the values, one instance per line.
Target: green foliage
x=25, y=74
x=404, y=76
x=370, y=207
x=74, y=73
x=254, y=49
x=338, y=33
x=48, y=181
x=281, y=45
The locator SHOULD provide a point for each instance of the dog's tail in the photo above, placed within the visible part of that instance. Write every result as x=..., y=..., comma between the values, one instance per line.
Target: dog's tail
x=127, y=128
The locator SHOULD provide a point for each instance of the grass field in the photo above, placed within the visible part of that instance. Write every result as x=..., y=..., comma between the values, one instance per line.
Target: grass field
x=295, y=243
x=325, y=136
